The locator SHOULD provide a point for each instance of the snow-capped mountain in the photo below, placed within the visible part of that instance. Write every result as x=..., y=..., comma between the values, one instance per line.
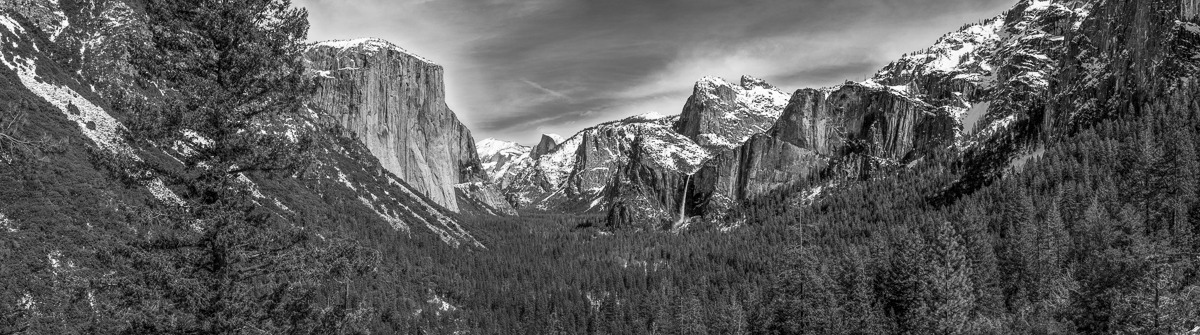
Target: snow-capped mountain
x=577, y=172
x=720, y=115
x=985, y=96
x=502, y=159
x=960, y=96
x=548, y=143
x=602, y=165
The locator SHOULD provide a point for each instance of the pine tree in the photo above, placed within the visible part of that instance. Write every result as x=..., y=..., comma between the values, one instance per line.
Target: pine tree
x=950, y=296
x=906, y=287
x=984, y=275
x=229, y=70
x=691, y=317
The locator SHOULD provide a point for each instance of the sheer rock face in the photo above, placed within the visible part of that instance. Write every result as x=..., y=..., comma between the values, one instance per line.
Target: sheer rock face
x=640, y=165
x=548, y=143
x=854, y=126
x=1130, y=58
x=394, y=102
x=483, y=198
x=875, y=122
x=579, y=174
x=720, y=115
x=67, y=59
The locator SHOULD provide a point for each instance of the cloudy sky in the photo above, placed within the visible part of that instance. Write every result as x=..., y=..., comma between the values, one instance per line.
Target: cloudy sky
x=519, y=68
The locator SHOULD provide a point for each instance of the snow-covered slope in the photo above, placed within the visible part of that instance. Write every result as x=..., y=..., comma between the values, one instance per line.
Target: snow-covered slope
x=987, y=73
x=977, y=96
x=640, y=161
x=576, y=174
x=66, y=61
x=720, y=115
x=502, y=159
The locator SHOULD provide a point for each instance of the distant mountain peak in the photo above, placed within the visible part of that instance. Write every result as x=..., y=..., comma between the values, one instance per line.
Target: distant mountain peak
x=558, y=139
x=750, y=83
x=720, y=114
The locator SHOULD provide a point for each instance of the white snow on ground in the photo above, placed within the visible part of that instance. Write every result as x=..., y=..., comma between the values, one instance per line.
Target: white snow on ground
x=53, y=257
x=27, y=302
x=92, y=120
x=62, y=25
x=369, y=44
x=441, y=304
x=7, y=224
x=161, y=192
x=345, y=181
x=12, y=25
x=453, y=234
x=251, y=186
x=392, y=220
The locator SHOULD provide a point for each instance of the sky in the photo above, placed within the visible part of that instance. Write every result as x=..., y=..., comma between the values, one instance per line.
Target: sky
x=516, y=69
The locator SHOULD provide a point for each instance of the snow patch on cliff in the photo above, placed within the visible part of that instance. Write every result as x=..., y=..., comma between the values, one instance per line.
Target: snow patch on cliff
x=370, y=44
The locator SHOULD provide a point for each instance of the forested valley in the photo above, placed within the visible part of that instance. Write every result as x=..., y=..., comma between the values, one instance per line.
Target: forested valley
x=1094, y=229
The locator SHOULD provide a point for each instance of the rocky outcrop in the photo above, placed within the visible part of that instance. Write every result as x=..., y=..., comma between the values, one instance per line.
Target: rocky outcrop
x=871, y=121
x=1129, y=59
x=762, y=164
x=502, y=160
x=639, y=165
x=548, y=143
x=483, y=198
x=721, y=116
x=995, y=73
x=853, y=127
x=579, y=173
x=644, y=195
x=394, y=102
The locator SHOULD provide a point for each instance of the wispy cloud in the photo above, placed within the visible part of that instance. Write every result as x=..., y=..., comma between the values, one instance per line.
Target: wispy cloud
x=547, y=90
x=513, y=66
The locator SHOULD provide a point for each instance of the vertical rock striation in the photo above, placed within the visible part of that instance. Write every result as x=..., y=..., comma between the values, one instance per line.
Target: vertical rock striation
x=855, y=127
x=394, y=102
x=548, y=143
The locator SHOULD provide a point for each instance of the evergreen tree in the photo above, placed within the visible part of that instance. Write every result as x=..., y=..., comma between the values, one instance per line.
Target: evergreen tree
x=220, y=265
x=984, y=275
x=950, y=287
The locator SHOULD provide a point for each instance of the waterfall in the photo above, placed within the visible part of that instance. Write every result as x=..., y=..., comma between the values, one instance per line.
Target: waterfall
x=683, y=200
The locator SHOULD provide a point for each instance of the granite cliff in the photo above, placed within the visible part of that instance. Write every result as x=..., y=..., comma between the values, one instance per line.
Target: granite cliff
x=394, y=102
x=641, y=162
